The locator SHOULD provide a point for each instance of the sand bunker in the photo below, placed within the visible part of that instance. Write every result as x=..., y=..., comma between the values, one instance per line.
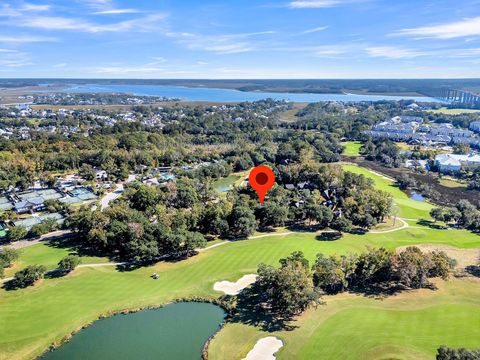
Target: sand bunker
x=234, y=288
x=265, y=349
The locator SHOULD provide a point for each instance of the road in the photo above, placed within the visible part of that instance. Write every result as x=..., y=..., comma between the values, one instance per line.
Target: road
x=119, y=190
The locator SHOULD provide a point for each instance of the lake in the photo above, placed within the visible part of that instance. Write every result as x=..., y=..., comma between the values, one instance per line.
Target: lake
x=232, y=95
x=175, y=332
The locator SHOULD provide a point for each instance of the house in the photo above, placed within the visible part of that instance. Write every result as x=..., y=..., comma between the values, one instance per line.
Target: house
x=450, y=163
x=407, y=119
x=475, y=126
x=30, y=205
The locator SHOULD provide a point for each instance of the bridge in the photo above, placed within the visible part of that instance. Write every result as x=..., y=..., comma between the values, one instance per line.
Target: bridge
x=459, y=97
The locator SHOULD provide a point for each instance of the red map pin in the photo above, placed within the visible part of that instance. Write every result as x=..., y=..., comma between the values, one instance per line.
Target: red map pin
x=261, y=178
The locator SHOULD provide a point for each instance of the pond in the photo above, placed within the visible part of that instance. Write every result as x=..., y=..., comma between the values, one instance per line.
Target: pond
x=175, y=332
x=224, y=184
x=416, y=196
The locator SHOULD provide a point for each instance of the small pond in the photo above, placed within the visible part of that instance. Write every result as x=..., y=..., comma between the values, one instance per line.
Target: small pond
x=416, y=196
x=175, y=332
x=224, y=184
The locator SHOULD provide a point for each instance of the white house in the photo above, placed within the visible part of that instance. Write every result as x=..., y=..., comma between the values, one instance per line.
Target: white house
x=454, y=163
x=475, y=126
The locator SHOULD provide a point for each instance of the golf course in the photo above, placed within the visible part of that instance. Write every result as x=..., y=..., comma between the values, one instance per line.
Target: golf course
x=408, y=325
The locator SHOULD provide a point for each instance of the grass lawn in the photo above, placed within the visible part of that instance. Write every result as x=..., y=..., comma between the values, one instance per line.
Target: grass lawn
x=406, y=326
x=47, y=255
x=444, y=110
x=35, y=317
x=352, y=148
x=451, y=183
x=407, y=207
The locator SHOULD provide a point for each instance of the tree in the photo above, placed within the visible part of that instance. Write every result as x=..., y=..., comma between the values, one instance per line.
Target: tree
x=69, y=263
x=87, y=172
x=143, y=198
x=8, y=256
x=53, y=205
x=341, y=224
x=288, y=290
x=438, y=214
x=331, y=274
x=411, y=268
x=187, y=195
x=445, y=353
x=29, y=275
x=272, y=215
x=16, y=233
x=442, y=265
x=241, y=222
x=193, y=240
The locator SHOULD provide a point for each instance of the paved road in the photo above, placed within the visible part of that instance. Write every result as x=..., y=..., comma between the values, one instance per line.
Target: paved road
x=54, y=235
x=119, y=190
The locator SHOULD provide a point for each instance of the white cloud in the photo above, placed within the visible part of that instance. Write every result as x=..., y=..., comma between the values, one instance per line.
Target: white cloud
x=147, y=23
x=462, y=28
x=120, y=70
x=35, y=7
x=392, y=52
x=60, y=65
x=118, y=11
x=220, y=44
x=14, y=59
x=312, y=4
x=26, y=39
x=314, y=30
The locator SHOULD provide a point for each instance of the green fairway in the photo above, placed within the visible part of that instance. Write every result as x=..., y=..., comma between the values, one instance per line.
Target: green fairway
x=407, y=207
x=49, y=255
x=444, y=110
x=35, y=317
x=352, y=148
x=31, y=319
x=406, y=326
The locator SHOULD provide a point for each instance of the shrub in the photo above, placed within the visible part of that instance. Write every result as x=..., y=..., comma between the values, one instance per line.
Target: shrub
x=29, y=275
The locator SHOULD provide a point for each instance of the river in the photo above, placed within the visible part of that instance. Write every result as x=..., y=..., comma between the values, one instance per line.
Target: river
x=231, y=95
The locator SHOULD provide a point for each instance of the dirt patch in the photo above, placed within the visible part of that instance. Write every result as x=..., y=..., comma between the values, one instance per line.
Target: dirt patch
x=464, y=257
x=234, y=288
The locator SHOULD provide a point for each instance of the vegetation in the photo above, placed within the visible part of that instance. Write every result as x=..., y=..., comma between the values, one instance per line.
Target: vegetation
x=69, y=263
x=289, y=290
x=28, y=276
x=464, y=215
x=445, y=353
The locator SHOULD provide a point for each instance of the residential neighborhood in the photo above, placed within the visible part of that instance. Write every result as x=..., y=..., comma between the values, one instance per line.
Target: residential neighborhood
x=413, y=130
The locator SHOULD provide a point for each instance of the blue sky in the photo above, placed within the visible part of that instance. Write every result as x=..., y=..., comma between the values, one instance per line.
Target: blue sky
x=239, y=39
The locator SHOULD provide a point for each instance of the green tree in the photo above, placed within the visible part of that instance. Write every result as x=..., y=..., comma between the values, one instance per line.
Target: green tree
x=69, y=263
x=8, y=256
x=272, y=215
x=29, y=275
x=331, y=274
x=87, y=172
x=16, y=233
x=289, y=290
x=145, y=197
x=241, y=222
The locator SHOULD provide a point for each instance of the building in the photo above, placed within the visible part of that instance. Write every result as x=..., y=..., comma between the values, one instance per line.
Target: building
x=450, y=163
x=407, y=119
x=475, y=126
